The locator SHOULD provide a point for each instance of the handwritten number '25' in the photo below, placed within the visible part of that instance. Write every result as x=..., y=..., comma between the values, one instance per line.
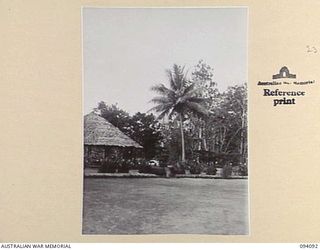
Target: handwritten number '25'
x=311, y=49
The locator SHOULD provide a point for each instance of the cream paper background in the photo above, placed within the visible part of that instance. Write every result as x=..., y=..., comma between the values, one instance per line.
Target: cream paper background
x=41, y=123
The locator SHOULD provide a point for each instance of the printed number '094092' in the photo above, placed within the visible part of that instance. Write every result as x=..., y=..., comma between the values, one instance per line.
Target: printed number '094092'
x=314, y=246
x=311, y=49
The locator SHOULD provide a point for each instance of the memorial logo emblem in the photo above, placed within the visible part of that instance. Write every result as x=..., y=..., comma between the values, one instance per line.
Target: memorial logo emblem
x=283, y=73
x=278, y=89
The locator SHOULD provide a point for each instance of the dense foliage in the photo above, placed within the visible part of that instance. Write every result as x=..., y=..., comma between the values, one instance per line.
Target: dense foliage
x=197, y=127
x=143, y=128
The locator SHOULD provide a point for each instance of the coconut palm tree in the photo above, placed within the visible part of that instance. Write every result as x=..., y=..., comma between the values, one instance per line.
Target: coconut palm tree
x=179, y=99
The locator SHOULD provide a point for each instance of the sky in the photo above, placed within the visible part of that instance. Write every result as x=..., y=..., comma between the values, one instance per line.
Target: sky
x=127, y=50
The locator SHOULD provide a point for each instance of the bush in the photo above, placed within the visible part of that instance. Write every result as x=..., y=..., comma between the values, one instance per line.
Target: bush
x=157, y=170
x=143, y=166
x=145, y=169
x=227, y=170
x=211, y=170
x=243, y=171
x=177, y=170
x=163, y=164
x=108, y=166
x=124, y=166
x=178, y=167
x=195, y=168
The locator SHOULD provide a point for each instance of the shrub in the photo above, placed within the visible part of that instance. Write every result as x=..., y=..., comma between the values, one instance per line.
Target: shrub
x=163, y=164
x=243, y=171
x=145, y=169
x=211, y=170
x=178, y=167
x=227, y=170
x=195, y=168
x=143, y=166
x=108, y=166
x=157, y=170
x=123, y=166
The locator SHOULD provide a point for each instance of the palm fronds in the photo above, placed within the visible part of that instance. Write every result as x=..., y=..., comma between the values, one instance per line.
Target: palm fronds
x=180, y=97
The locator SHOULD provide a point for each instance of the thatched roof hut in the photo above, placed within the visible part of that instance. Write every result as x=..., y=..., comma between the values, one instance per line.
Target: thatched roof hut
x=98, y=131
x=103, y=140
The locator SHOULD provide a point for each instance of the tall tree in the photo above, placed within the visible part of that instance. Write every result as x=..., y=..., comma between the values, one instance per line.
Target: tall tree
x=235, y=104
x=202, y=76
x=181, y=97
x=228, y=125
x=147, y=131
x=116, y=116
x=143, y=128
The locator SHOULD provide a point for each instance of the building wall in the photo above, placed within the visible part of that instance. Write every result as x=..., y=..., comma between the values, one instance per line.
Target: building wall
x=93, y=155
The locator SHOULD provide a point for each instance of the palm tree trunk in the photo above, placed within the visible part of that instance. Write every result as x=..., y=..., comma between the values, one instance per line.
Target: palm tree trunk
x=183, y=156
x=242, y=159
x=200, y=138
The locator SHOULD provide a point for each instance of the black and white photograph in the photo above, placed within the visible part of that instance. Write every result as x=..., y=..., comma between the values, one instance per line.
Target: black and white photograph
x=165, y=126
